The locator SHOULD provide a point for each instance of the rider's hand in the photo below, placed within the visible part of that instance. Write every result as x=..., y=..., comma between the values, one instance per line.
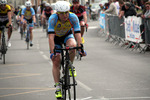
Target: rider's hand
x=51, y=55
x=83, y=54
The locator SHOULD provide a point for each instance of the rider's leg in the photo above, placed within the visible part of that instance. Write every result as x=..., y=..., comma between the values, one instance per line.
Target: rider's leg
x=56, y=68
x=24, y=25
x=9, y=32
x=71, y=42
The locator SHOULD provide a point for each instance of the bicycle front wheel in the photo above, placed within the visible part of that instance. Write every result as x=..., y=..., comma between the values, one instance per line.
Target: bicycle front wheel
x=3, y=58
x=70, y=86
x=28, y=39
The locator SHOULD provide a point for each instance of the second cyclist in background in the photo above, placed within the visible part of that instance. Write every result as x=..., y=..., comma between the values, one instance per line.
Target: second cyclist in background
x=79, y=10
x=47, y=12
x=28, y=15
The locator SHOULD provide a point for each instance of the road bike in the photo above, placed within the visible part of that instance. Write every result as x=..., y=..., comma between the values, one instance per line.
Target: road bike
x=67, y=80
x=3, y=49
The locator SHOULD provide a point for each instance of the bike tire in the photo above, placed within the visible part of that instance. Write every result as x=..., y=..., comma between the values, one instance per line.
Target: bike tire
x=3, y=58
x=70, y=86
x=28, y=39
x=72, y=89
x=21, y=29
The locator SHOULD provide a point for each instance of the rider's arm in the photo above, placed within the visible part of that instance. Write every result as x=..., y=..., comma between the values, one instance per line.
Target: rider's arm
x=51, y=32
x=34, y=19
x=43, y=14
x=9, y=17
x=51, y=42
x=85, y=17
x=33, y=15
x=77, y=29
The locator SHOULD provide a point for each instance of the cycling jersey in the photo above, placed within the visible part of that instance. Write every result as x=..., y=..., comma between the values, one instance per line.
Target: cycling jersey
x=28, y=14
x=48, y=12
x=59, y=29
x=3, y=13
x=79, y=13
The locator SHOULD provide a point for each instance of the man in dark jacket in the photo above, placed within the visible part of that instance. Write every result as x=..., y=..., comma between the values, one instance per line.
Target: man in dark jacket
x=130, y=11
x=126, y=9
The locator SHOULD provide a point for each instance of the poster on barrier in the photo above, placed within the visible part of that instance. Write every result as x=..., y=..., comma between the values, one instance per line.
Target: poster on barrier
x=132, y=29
x=102, y=20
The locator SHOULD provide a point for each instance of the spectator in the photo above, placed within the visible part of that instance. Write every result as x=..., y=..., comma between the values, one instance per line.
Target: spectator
x=147, y=13
x=106, y=6
x=117, y=5
x=112, y=8
x=126, y=9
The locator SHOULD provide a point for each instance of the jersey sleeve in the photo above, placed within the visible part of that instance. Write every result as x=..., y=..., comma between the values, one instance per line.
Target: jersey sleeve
x=8, y=8
x=32, y=11
x=23, y=11
x=51, y=23
x=75, y=22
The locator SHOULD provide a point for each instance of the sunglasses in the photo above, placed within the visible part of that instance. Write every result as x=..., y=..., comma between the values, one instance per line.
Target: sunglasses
x=63, y=13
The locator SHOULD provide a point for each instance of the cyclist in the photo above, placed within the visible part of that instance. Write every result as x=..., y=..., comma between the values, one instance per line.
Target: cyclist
x=47, y=12
x=19, y=15
x=60, y=32
x=5, y=19
x=42, y=7
x=79, y=10
x=28, y=15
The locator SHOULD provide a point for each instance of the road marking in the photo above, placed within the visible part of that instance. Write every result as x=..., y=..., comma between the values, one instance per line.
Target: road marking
x=128, y=98
x=35, y=91
x=41, y=52
x=86, y=98
x=93, y=27
x=45, y=57
x=26, y=88
x=84, y=86
x=18, y=75
x=9, y=65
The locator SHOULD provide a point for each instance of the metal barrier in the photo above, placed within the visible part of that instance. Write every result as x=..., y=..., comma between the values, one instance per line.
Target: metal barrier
x=114, y=28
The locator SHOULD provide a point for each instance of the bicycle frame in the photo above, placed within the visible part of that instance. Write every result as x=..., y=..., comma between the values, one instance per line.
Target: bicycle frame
x=28, y=35
x=68, y=82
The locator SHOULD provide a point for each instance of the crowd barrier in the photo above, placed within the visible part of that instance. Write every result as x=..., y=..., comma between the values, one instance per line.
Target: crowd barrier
x=126, y=30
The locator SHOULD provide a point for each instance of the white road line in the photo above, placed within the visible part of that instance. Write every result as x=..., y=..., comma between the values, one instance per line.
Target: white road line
x=86, y=98
x=41, y=52
x=84, y=86
x=129, y=98
x=93, y=27
x=45, y=57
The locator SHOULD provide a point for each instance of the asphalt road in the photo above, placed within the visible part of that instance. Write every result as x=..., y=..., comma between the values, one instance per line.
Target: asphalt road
x=108, y=72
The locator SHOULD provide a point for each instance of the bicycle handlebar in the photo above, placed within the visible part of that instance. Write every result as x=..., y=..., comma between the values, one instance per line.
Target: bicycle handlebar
x=66, y=48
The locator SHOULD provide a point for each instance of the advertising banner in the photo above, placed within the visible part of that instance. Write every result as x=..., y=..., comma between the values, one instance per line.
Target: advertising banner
x=102, y=20
x=132, y=29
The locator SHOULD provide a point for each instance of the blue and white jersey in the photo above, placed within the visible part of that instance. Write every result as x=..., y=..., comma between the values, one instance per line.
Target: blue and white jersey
x=61, y=29
x=28, y=13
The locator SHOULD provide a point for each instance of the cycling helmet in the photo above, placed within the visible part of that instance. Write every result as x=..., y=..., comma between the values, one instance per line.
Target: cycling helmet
x=62, y=6
x=3, y=2
x=28, y=4
x=47, y=5
x=44, y=2
x=75, y=0
x=22, y=6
